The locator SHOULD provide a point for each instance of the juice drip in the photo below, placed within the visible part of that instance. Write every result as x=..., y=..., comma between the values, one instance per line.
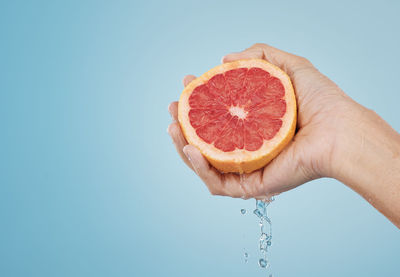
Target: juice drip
x=265, y=240
x=266, y=231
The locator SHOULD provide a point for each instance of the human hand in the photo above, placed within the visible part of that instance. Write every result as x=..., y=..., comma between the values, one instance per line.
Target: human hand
x=325, y=117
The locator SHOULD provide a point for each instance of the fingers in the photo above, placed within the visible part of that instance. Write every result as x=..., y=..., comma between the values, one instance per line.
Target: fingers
x=286, y=61
x=285, y=172
x=174, y=130
x=208, y=174
x=187, y=79
x=173, y=110
x=252, y=184
x=217, y=183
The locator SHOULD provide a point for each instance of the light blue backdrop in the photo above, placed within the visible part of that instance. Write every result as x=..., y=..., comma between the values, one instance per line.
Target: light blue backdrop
x=90, y=184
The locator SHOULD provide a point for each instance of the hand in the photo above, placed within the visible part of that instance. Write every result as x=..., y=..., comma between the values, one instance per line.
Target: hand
x=326, y=116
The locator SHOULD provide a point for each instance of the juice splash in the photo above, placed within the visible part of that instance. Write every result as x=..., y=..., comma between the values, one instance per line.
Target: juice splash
x=265, y=240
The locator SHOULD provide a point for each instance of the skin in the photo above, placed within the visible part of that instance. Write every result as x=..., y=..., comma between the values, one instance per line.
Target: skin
x=336, y=137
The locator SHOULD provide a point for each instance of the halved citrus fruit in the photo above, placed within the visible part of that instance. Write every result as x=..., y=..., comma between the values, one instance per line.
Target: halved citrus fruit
x=240, y=115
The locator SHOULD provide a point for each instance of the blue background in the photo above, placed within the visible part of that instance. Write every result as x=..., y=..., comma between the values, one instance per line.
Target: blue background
x=90, y=183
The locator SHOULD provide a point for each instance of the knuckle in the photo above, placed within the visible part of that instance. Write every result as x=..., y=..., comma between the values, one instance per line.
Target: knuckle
x=233, y=193
x=244, y=194
x=267, y=191
x=304, y=61
x=258, y=45
x=213, y=191
x=174, y=129
x=260, y=189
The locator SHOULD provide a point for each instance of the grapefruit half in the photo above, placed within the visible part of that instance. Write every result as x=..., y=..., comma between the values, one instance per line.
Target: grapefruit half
x=240, y=115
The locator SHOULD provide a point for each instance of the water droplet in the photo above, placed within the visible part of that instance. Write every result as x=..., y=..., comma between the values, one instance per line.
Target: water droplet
x=260, y=205
x=243, y=211
x=258, y=213
x=266, y=231
x=264, y=236
x=246, y=257
x=263, y=263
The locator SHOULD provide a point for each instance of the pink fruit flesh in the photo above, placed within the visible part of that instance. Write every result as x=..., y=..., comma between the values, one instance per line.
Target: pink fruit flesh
x=238, y=109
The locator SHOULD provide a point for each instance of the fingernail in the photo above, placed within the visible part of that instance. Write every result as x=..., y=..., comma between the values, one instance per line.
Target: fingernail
x=186, y=154
x=222, y=59
x=169, y=109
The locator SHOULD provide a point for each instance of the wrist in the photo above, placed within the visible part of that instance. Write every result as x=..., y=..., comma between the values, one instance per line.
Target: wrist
x=368, y=161
x=351, y=143
x=345, y=139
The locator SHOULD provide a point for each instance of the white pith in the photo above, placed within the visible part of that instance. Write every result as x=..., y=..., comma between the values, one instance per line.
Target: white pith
x=238, y=111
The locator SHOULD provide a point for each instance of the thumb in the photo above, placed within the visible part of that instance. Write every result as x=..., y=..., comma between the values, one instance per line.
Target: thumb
x=286, y=61
x=286, y=172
